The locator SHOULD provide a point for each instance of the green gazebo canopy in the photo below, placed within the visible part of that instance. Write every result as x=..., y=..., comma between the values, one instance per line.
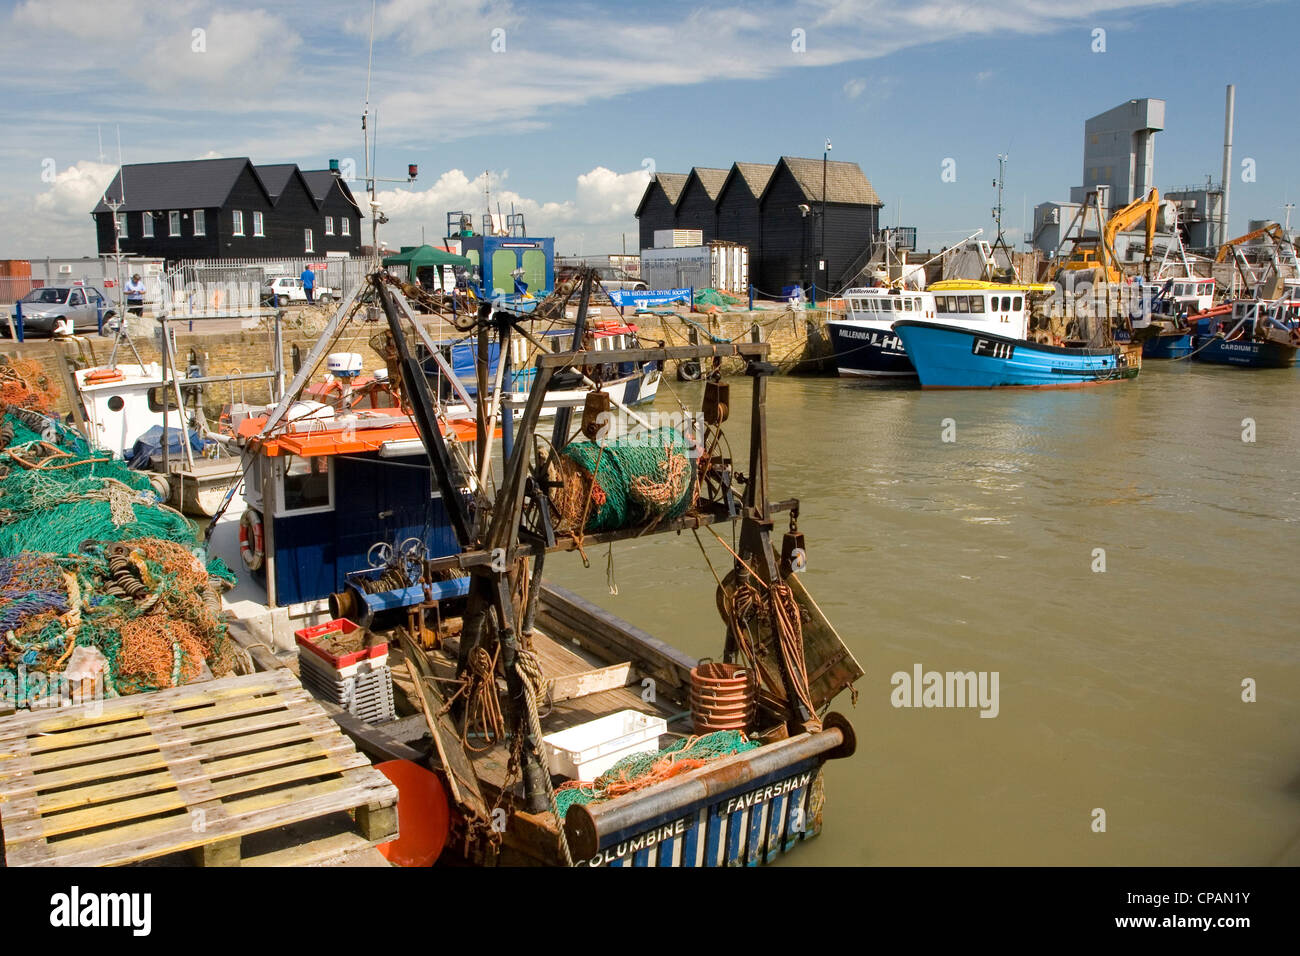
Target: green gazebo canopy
x=417, y=257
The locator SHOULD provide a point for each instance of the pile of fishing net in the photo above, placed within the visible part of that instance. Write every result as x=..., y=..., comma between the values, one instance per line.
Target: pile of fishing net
x=638, y=479
x=643, y=770
x=26, y=384
x=90, y=558
x=707, y=300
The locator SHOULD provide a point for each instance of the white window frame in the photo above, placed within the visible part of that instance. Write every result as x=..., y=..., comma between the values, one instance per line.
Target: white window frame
x=259, y=225
x=309, y=241
x=121, y=221
x=281, y=472
x=200, y=221
x=345, y=226
x=146, y=225
x=329, y=225
x=174, y=224
x=236, y=222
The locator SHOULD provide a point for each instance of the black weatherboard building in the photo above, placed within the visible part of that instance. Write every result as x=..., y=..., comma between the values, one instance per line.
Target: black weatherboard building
x=228, y=208
x=657, y=209
x=697, y=204
x=777, y=212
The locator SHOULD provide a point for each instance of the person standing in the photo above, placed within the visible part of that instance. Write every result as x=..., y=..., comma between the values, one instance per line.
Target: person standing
x=135, y=295
x=309, y=284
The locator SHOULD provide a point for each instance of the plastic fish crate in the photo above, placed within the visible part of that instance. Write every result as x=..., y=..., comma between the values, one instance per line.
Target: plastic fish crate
x=309, y=639
x=586, y=751
x=366, y=691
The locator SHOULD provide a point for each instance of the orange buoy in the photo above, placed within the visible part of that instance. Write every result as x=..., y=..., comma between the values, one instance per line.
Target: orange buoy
x=423, y=814
x=101, y=375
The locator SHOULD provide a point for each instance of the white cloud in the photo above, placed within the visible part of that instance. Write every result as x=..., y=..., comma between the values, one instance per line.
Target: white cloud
x=855, y=87
x=601, y=207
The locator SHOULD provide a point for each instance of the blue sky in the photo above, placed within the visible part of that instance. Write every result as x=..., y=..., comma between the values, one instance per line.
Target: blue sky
x=577, y=97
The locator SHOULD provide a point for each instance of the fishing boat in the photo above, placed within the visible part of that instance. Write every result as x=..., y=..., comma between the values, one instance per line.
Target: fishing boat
x=1164, y=332
x=394, y=519
x=864, y=341
x=997, y=352
x=1247, y=333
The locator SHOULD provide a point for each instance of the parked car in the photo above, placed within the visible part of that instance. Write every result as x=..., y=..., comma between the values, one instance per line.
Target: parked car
x=290, y=289
x=70, y=308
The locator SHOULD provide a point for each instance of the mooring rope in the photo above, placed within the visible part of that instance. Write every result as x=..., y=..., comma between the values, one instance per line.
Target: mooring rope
x=534, y=681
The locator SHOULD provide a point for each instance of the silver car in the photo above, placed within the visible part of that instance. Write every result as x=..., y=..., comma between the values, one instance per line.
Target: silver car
x=45, y=308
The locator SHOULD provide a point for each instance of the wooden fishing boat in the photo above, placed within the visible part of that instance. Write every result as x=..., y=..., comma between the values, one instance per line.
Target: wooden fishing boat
x=454, y=584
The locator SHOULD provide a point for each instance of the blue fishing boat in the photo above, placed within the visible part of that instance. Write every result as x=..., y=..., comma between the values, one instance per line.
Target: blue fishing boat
x=1170, y=343
x=1256, y=334
x=948, y=357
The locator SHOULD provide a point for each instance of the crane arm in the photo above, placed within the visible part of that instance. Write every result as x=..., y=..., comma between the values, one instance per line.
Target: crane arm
x=1272, y=229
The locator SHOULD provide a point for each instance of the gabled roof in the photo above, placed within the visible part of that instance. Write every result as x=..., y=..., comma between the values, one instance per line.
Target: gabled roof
x=709, y=178
x=753, y=175
x=671, y=184
x=321, y=181
x=845, y=182
x=188, y=184
x=275, y=177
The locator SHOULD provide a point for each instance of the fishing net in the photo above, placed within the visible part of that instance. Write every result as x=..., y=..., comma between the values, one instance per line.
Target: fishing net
x=26, y=384
x=639, y=771
x=633, y=480
x=90, y=557
x=715, y=298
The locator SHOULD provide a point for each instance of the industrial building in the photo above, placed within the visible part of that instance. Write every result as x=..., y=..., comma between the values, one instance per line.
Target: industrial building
x=805, y=221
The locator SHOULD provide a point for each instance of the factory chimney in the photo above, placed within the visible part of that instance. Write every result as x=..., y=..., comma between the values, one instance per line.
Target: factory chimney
x=1227, y=162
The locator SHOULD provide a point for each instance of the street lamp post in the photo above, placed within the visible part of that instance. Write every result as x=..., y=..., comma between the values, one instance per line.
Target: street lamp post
x=821, y=258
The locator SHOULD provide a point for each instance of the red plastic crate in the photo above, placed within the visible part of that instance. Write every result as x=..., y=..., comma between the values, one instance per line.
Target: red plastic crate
x=308, y=636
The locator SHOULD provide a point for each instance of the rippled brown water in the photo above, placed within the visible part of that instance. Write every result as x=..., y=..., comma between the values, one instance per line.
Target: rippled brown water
x=1119, y=690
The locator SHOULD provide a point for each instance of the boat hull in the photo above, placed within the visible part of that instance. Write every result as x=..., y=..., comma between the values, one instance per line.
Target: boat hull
x=1168, y=346
x=865, y=352
x=1244, y=354
x=947, y=357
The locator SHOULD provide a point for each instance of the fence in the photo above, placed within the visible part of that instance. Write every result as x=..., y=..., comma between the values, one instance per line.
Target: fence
x=233, y=287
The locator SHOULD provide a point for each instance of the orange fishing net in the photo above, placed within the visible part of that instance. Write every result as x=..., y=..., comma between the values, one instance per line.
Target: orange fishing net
x=25, y=383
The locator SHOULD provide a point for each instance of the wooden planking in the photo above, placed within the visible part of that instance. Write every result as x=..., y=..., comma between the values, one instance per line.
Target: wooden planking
x=571, y=686
x=198, y=770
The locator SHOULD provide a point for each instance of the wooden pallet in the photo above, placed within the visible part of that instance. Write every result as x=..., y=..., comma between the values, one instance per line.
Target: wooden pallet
x=193, y=768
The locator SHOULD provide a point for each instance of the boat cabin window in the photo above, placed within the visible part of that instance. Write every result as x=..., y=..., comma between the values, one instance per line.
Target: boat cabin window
x=306, y=483
x=963, y=303
x=977, y=303
x=1006, y=303
x=1017, y=303
x=887, y=305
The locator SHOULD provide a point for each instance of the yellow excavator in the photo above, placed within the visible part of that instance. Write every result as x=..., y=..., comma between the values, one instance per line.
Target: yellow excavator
x=1267, y=283
x=1097, y=254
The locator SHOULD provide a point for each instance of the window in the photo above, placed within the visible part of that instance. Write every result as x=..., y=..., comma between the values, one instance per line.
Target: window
x=200, y=222
x=76, y=298
x=886, y=305
x=174, y=223
x=345, y=226
x=307, y=241
x=307, y=483
x=329, y=225
x=1017, y=302
x=963, y=303
x=121, y=225
x=160, y=397
x=237, y=223
x=258, y=225
x=977, y=303
x=146, y=225
x=1006, y=303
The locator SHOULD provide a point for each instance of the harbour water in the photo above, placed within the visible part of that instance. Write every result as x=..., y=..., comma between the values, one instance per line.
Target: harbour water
x=1119, y=690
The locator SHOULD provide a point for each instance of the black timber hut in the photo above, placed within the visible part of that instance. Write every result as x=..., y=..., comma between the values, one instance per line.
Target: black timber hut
x=227, y=208
x=737, y=206
x=791, y=207
x=657, y=209
x=697, y=204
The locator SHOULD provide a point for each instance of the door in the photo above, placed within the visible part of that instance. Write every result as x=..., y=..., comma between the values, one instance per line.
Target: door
x=76, y=310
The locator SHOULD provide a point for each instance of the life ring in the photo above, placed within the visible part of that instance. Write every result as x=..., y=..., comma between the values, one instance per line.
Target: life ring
x=252, y=547
x=689, y=371
x=101, y=375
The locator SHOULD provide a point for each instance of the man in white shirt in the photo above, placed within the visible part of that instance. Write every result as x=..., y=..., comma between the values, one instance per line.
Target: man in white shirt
x=135, y=295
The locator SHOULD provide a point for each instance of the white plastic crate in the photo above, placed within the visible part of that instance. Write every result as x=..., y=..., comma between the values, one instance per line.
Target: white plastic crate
x=586, y=751
x=366, y=691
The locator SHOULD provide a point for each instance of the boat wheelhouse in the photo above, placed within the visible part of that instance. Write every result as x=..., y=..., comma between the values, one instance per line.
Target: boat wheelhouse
x=1253, y=333
x=865, y=343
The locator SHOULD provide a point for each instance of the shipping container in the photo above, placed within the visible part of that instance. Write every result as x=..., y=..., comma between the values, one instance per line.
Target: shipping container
x=718, y=265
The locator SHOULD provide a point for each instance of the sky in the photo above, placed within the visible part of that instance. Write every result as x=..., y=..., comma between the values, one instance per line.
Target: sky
x=563, y=109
